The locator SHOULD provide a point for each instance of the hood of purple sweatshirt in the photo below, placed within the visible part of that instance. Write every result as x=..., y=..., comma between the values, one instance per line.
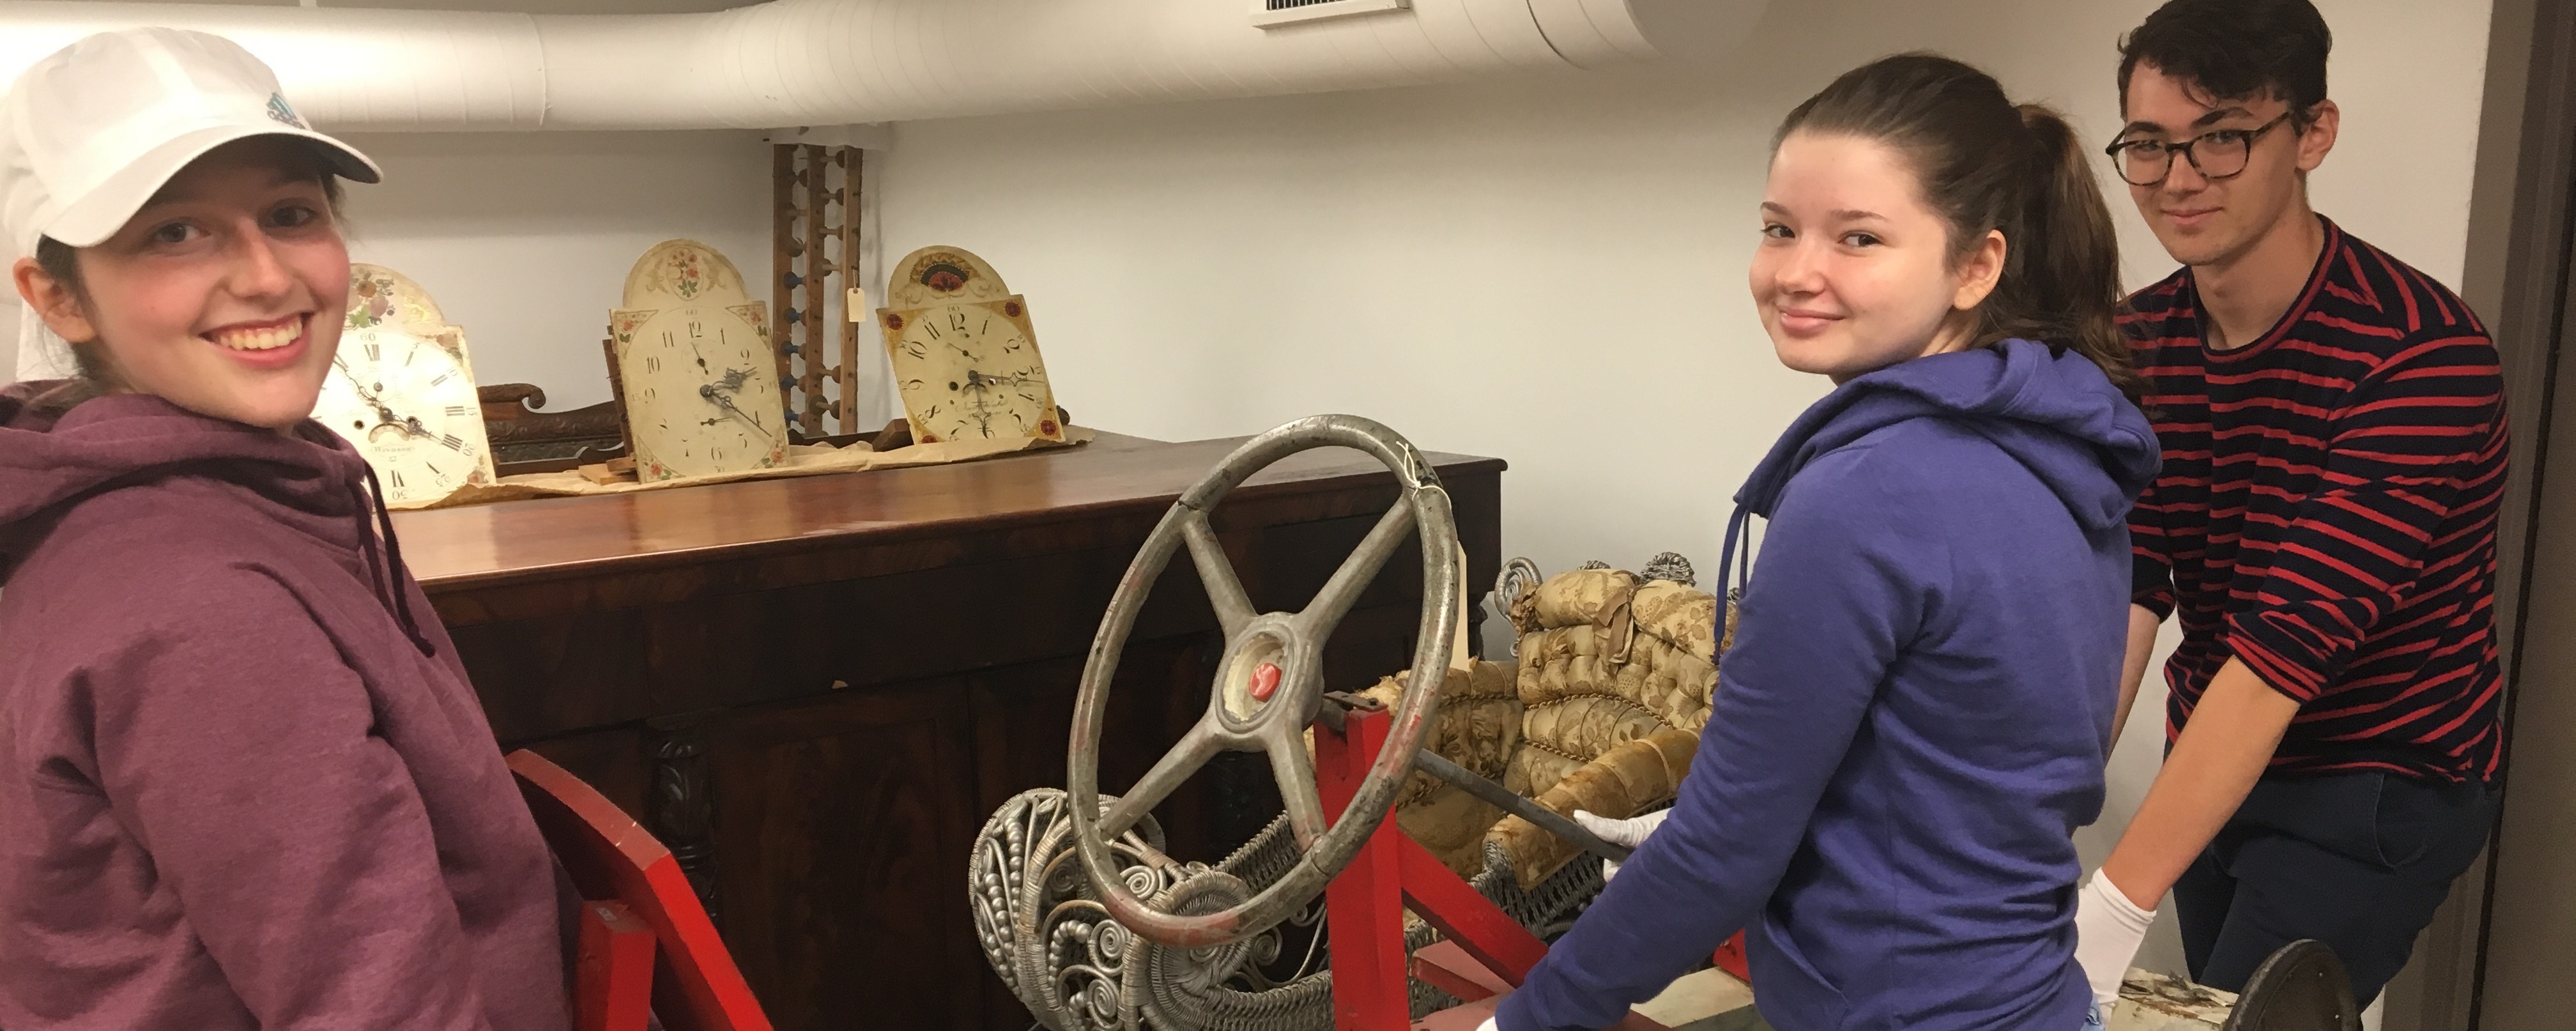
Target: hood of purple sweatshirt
x=309, y=479
x=247, y=779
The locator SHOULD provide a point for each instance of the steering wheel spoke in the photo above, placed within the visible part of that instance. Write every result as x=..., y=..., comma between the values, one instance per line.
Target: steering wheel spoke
x=1216, y=573
x=1356, y=572
x=1176, y=766
x=1294, y=769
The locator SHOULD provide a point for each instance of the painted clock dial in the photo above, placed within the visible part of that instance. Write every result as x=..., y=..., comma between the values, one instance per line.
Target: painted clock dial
x=964, y=357
x=401, y=390
x=410, y=408
x=701, y=395
x=696, y=378
x=971, y=372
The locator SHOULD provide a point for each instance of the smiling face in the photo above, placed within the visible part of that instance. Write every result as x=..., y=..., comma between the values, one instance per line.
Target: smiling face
x=223, y=295
x=1855, y=272
x=2203, y=221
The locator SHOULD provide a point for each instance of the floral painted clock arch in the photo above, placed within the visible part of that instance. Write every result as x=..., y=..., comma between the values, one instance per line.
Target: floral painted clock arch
x=697, y=381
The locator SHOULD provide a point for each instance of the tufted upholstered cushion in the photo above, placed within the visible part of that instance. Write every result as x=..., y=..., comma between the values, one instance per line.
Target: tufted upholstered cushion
x=1601, y=712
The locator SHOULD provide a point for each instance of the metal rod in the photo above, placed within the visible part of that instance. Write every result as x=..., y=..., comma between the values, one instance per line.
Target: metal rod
x=1547, y=819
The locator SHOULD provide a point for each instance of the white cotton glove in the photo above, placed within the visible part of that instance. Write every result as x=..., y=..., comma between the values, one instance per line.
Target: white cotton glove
x=1630, y=832
x=2108, y=930
x=1489, y=1025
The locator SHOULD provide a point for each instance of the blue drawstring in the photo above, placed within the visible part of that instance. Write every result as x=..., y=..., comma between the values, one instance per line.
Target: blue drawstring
x=1733, y=565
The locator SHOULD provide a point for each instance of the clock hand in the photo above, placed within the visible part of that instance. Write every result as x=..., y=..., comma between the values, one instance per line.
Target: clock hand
x=708, y=391
x=363, y=393
x=747, y=417
x=384, y=413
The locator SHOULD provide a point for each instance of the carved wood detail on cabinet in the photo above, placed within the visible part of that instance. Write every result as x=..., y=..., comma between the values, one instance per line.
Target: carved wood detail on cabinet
x=681, y=809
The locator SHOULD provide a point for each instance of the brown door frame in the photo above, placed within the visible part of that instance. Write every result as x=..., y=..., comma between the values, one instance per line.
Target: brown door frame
x=2522, y=222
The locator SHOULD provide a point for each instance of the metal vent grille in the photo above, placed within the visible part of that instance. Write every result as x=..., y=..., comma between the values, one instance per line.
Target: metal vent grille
x=1268, y=13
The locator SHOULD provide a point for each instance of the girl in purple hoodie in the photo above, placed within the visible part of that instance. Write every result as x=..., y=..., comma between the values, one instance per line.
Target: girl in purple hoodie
x=1913, y=717
x=244, y=780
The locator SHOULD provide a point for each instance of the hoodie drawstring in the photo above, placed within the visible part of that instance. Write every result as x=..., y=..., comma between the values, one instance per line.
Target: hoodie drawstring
x=388, y=585
x=1729, y=558
x=1734, y=568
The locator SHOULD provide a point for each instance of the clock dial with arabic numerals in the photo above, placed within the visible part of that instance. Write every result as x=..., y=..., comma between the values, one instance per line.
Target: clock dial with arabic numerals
x=971, y=372
x=701, y=394
x=695, y=378
x=964, y=358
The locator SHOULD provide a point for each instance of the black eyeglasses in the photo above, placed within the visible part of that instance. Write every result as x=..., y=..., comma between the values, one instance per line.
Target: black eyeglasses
x=2217, y=155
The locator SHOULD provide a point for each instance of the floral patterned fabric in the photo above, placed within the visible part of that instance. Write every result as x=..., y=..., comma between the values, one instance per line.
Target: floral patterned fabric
x=1601, y=712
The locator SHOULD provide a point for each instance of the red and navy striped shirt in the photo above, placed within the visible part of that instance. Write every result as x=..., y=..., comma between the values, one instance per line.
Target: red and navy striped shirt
x=2327, y=513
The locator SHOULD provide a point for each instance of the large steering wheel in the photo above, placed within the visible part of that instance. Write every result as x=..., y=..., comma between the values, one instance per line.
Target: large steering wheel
x=1269, y=683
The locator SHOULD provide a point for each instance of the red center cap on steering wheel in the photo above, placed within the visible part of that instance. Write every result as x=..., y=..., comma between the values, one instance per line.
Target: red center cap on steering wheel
x=1265, y=681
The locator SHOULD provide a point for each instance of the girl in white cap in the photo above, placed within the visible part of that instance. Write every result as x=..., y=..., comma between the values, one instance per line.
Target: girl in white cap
x=244, y=779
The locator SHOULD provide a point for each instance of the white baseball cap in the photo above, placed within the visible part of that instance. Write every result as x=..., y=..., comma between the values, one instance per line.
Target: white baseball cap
x=91, y=132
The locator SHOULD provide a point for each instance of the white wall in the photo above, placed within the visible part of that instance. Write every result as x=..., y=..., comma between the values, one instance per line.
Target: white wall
x=525, y=238
x=1552, y=269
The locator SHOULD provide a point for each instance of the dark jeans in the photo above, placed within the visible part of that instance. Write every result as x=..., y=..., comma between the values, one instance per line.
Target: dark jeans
x=2358, y=861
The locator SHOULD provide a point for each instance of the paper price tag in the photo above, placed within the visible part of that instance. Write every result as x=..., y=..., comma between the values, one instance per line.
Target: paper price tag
x=855, y=305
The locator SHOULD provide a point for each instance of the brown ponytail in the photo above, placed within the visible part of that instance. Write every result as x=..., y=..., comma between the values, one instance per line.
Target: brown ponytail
x=1985, y=163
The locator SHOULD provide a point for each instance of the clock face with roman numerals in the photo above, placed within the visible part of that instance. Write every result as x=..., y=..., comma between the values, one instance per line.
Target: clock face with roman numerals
x=409, y=406
x=971, y=372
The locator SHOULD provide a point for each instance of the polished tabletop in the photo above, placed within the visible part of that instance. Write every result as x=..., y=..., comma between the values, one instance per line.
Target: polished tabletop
x=481, y=546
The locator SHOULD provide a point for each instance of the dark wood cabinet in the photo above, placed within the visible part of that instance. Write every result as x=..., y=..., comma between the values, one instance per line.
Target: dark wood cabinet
x=834, y=812
x=815, y=690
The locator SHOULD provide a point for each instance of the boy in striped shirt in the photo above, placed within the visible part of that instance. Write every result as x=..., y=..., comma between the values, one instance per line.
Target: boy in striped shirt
x=2324, y=527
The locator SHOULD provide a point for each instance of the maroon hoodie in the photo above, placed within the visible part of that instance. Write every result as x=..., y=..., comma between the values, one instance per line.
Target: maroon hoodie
x=243, y=780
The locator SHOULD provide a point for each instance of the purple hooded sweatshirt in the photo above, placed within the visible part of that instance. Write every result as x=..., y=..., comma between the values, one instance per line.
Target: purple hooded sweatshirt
x=1911, y=723
x=244, y=779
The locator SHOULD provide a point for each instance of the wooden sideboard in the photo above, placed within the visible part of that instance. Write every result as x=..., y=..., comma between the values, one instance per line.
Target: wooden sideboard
x=815, y=689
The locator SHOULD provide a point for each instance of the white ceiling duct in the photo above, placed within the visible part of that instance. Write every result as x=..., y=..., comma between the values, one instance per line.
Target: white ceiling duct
x=834, y=62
